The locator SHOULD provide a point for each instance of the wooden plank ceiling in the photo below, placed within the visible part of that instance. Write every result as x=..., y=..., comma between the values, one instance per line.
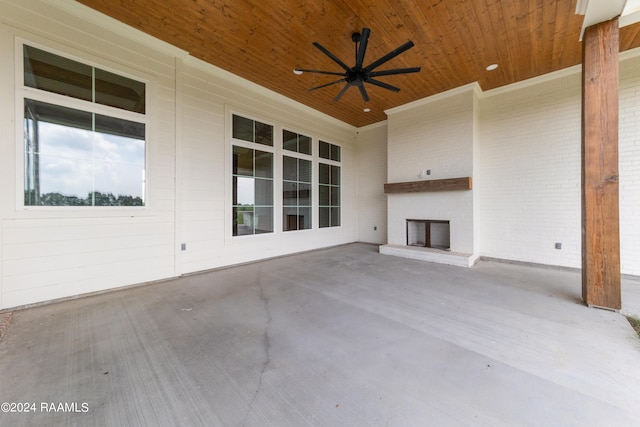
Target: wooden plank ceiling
x=455, y=40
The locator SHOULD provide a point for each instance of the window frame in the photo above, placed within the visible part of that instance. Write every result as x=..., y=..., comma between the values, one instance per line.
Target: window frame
x=235, y=142
x=299, y=156
x=331, y=163
x=24, y=92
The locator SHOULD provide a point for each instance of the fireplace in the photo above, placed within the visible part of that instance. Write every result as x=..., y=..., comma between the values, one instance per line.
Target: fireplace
x=428, y=233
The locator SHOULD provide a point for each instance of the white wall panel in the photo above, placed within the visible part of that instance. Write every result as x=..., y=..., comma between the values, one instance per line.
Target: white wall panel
x=371, y=152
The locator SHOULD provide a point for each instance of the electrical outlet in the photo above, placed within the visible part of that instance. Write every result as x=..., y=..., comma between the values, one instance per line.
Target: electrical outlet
x=558, y=245
x=375, y=228
x=183, y=246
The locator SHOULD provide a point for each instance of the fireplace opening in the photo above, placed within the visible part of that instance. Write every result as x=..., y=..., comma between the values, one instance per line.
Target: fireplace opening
x=428, y=233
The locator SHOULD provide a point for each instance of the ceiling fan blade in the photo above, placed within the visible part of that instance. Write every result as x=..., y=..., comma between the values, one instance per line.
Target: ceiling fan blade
x=362, y=49
x=390, y=55
x=333, y=73
x=363, y=92
x=344, y=89
x=396, y=71
x=384, y=85
x=324, y=85
x=331, y=55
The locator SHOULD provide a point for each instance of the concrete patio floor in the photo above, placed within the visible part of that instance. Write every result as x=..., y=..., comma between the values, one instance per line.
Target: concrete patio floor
x=336, y=337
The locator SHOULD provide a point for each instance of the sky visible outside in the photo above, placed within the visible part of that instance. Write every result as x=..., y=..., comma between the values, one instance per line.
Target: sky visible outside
x=76, y=162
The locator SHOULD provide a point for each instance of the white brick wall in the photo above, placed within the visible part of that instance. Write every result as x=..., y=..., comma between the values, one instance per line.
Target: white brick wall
x=629, y=158
x=528, y=183
x=437, y=135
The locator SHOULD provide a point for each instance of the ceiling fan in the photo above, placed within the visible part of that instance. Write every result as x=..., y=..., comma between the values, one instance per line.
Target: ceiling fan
x=359, y=75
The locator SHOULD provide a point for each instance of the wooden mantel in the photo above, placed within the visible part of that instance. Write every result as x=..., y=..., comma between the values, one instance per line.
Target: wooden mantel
x=449, y=184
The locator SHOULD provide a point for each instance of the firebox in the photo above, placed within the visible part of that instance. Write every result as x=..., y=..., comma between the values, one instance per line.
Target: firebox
x=428, y=233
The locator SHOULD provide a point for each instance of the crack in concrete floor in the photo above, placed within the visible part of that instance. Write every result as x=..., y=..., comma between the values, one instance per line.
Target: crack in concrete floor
x=266, y=342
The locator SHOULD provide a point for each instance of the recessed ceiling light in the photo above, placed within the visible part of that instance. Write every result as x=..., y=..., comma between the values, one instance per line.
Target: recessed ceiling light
x=367, y=109
x=492, y=67
x=297, y=72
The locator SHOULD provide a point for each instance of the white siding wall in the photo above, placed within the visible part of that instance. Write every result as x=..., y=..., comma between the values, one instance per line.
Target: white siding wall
x=51, y=253
x=208, y=100
x=371, y=152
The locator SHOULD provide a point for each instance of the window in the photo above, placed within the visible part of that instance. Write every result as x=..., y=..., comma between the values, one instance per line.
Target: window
x=252, y=179
x=252, y=131
x=295, y=142
x=329, y=151
x=296, y=194
x=329, y=195
x=81, y=153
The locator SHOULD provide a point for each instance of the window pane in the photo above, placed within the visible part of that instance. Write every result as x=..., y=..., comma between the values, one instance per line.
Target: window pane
x=264, y=192
x=245, y=191
x=242, y=128
x=324, y=217
x=264, y=134
x=323, y=195
x=120, y=92
x=335, y=217
x=119, y=127
x=263, y=220
x=242, y=221
x=66, y=163
x=304, y=218
x=289, y=193
x=234, y=190
x=264, y=164
x=289, y=140
x=335, y=196
x=335, y=152
x=325, y=150
x=335, y=175
x=304, y=194
x=304, y=170
x=304, y=145
x=53, y=73
x=324, y=173
x=242, y=161
x=120, y=172
x=289, y=168
x=289, y=218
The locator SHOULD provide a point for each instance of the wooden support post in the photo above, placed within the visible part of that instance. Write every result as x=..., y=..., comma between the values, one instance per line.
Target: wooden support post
x=600, y=204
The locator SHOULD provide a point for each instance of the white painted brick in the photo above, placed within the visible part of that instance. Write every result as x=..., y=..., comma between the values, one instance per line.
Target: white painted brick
x=438, y=136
